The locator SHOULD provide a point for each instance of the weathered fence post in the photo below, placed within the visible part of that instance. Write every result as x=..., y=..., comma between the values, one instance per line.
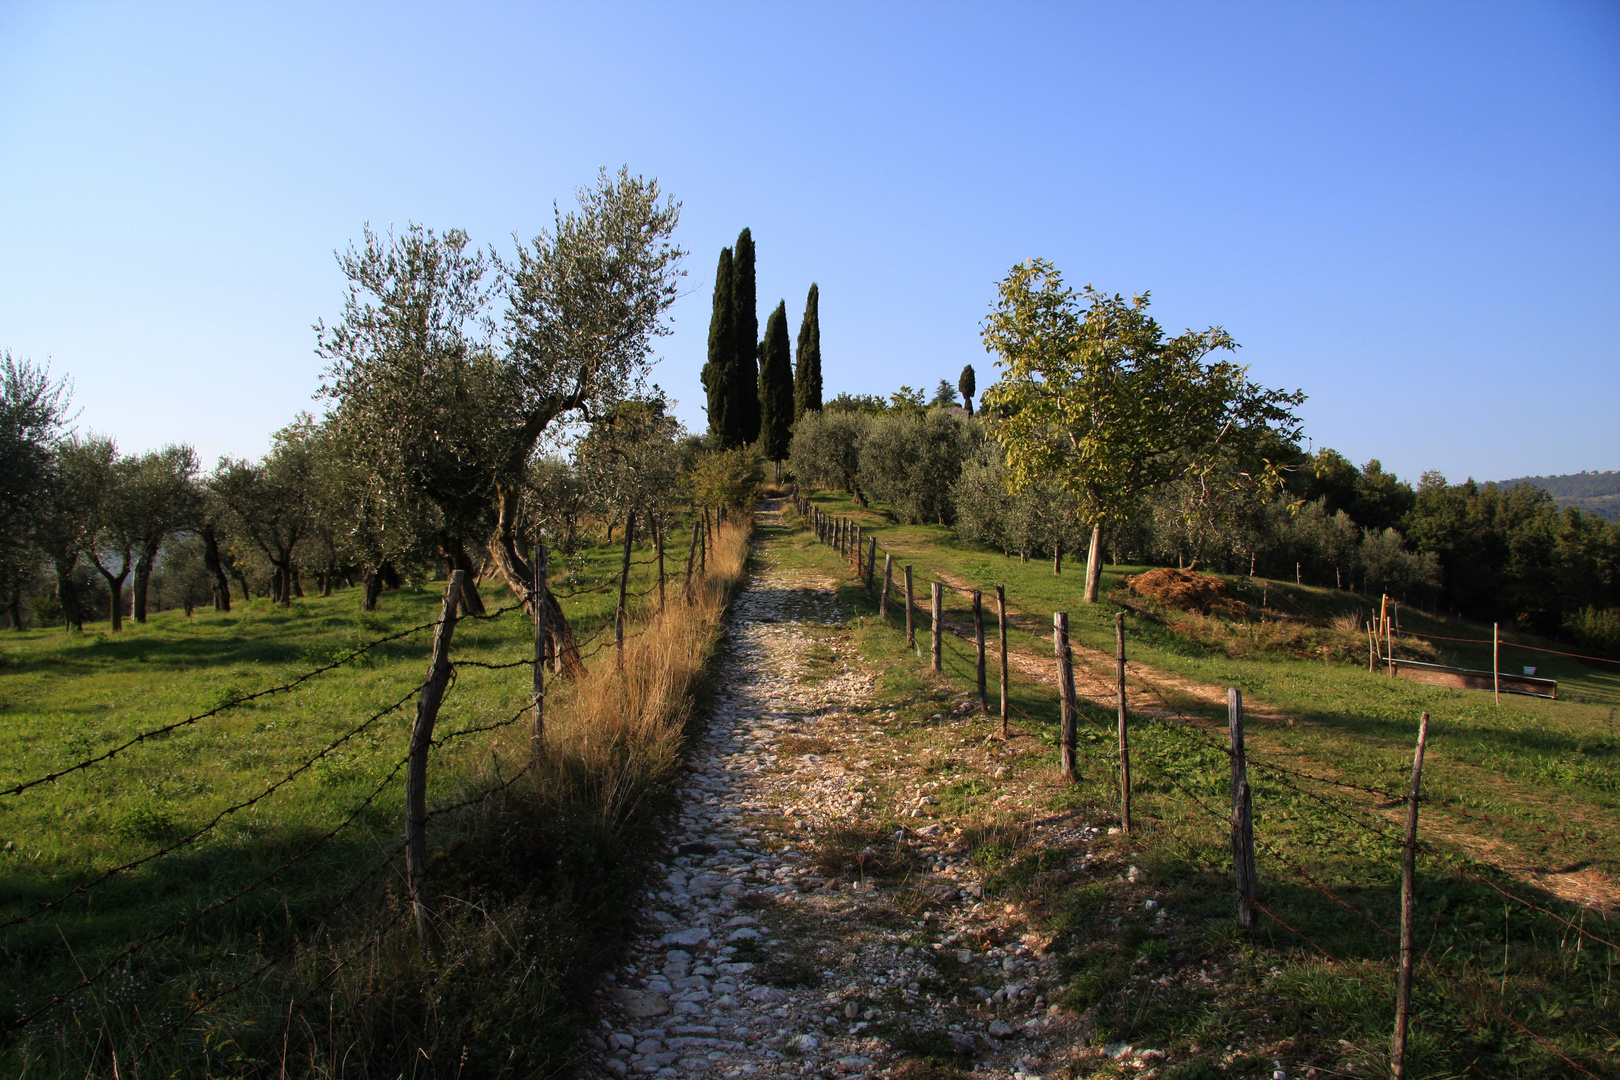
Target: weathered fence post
x=871, y=566
x=703, y=547
x=1372, y=649
x=1496, y=662
x=937, y=621
x=978, y=635
x=1403, y=984
x=1001, y=619
x=1248, y=883
x=1057, y=559
x=911, y=614
x=888, y=583
x=857, y=550
x=1124, y=738
x=427, y=711
x=1071, y=711
x=658, y=540
x=537, y=726
x=624, y=585
x=691, y=553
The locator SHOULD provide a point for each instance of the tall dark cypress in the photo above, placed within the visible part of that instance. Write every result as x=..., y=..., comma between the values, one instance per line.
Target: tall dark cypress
x=776, y=389
x=807, y=364
x=968, y=384
x=745, y=373
x=717, y=373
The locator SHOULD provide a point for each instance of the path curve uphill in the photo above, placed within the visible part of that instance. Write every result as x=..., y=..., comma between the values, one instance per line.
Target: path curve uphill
x=760, y=951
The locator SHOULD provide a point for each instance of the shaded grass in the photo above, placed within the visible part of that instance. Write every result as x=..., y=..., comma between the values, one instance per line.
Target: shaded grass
x=532, y=884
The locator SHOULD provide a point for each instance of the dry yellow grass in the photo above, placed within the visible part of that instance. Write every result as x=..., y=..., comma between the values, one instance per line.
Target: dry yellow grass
x=614, y=735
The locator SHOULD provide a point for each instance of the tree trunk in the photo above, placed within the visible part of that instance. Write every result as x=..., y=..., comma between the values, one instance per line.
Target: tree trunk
x=373, y=589
x=15, y=604
x=67, y=595
x=1094, y=564
x=518, y=575
x=115, y=586
x=455, y=552
x=241, y=579
x=143, y=581
x=211, y=559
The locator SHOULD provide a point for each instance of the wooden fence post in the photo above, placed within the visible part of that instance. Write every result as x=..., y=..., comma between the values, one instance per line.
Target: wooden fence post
x=911, y=614
x=427, y=712
x=537, y=726
x=937, y=620
x=1403, y=984
x=857, y=550
x=1001, y=619
x=1372, y=649
x=691, y=553
x=1248, y=885
x=624, y=585
x=871, y=566
x=1057, y=559
x=1496, y=662
x=888, y=583
x=658, y=540
x=1124, y=738
x=1071, y=711
x=978, y=635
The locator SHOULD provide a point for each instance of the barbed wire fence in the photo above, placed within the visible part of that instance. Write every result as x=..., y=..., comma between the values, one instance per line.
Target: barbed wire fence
x=1337, y=796
x=28, y=1012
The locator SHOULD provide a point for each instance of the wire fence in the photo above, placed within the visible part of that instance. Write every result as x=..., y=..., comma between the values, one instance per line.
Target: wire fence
x=119, y=957
x=1344, y=799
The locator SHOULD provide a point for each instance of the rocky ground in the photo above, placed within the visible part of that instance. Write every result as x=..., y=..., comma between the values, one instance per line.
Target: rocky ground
x=781, y=934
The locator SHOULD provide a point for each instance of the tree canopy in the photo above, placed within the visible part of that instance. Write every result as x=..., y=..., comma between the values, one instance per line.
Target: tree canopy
x=1094, y=396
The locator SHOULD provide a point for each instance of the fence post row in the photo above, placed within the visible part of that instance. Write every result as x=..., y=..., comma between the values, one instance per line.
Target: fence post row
x=537, y=727
x=978, y=637
x=937, y=618
x=1071, y=710
x=1248, y=885
x=1124, y=738
x=1001, y=619
x=1403, y=985
x=427, y=712
x=911, y=614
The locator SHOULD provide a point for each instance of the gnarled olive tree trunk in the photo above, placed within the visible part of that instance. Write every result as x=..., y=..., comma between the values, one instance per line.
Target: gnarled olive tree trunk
x=519, y=577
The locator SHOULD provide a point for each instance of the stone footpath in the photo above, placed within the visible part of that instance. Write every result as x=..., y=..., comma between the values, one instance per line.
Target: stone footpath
x=753, y=959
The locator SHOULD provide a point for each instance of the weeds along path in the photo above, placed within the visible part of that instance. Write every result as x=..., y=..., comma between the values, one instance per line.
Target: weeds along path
x=1563, y=873
x=784, y=933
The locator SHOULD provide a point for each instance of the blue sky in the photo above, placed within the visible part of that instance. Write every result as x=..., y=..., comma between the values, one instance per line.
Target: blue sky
x=1411, y=211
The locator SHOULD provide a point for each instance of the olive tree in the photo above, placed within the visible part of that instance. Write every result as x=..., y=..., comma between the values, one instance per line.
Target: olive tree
x=825, y=450
x=912, y=459
x=1093, y=396
x=449, y=367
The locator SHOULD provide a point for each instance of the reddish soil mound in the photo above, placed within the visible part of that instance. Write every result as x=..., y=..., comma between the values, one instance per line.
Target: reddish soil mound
x=1186, y=590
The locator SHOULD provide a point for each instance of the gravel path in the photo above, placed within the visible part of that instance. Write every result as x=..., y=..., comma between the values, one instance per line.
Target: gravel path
x=757, y=954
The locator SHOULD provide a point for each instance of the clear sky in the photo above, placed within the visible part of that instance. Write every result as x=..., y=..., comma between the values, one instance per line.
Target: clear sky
x=1410, y=211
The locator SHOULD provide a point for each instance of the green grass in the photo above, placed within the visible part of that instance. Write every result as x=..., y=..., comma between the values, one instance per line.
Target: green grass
x=1528, y=763
x=65, y=698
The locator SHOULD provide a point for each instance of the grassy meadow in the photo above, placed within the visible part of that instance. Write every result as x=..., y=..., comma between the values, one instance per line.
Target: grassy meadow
x=328, y=931
x=1523, y=797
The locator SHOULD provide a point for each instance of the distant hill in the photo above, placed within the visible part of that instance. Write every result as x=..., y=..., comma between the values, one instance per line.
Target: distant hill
x=1595, y=492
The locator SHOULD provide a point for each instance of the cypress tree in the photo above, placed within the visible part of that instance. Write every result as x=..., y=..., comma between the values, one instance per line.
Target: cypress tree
x=717, y=373
x=776, y=389
x=807, y=364
x=745, y=373
x=966, y=383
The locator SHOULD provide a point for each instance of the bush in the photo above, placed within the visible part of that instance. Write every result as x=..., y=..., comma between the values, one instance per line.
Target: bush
x=1597, y=629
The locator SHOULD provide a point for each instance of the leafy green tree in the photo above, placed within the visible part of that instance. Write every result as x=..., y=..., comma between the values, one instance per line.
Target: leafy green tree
x=33, y=422
x=443, y=411
x=966, y=383
x=164, y=500
x=776, y=391
x=115, y=530
x=726, y=479
x=912, y=460
x=944, y=394
x=724, y=422
x=269, y=503
x=825, y=450
x=745, y=354
x=807, y=357
x=1097, y=399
